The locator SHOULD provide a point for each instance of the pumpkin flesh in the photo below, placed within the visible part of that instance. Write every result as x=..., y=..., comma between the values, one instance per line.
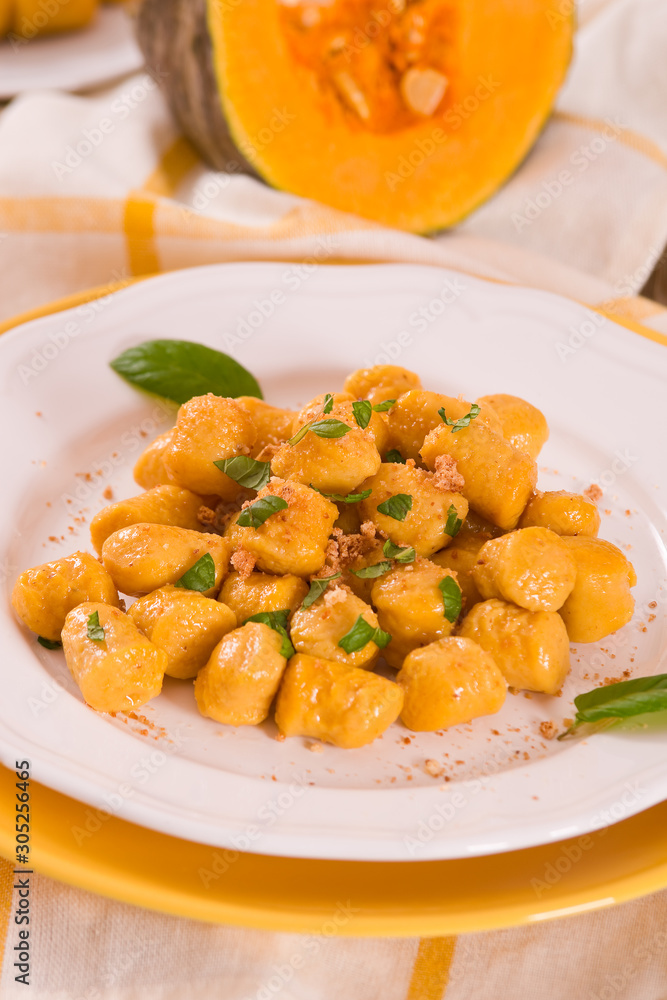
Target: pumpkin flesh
x=411, y=114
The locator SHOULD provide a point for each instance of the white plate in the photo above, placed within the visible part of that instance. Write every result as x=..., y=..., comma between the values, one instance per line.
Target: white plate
x=73, y=60
x=71, y=428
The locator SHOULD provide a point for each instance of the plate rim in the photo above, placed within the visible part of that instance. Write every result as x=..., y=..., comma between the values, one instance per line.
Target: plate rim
x=146, y=879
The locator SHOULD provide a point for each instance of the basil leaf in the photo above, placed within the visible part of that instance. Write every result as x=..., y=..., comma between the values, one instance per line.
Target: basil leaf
x=246, y=471
x=317, y=588
x=277, y=620
x=401, y=553
x=200, y=576
x=386, y=404
x=93, y=628
x=370, y=572
x=452, y=598
x=454, y=522
x=396, y=506
x=257, y=513
x=363, y=411
x=620, y=701
x=181, y=369
x=456, y=425
x=329, y=428
x=393, y=455
x=49, y=643
x=271, y=618
x=341, y=497
x=362, y=633
x=328, y=403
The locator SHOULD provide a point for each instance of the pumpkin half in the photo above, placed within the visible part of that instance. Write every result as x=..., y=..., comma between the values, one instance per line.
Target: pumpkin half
x=409, y=112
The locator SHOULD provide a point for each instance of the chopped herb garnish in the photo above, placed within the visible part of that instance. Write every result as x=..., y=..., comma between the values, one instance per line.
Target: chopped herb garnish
x=363, y=411
x=93, y=629
x=451, y=596
x=327, y=405
x=386, y=404
x=603, y=706
x=362, y=633
x=343, y=497
x=199, y=577
x=49, y=643
x=401, y=553
x=257, y=513
x=396, y=506
x=456, y=425
x=393, y=455
x=454, y=522
x=330, y=428
x=277, y=620
x=246, y=471
x=300, y=434
x=371, y=572
x=317, y=588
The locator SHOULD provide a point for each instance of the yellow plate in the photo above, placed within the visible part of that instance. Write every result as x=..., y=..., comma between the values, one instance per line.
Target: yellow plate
x=424, y=898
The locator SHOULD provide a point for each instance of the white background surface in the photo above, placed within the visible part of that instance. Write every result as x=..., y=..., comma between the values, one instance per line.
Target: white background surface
x=73, y=60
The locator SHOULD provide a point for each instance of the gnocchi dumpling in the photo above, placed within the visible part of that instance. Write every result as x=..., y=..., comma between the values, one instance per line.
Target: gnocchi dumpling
x=523, y=425
x=600, y=602
x=117, y=672
x=339, y=405
x=331, y=464
x=381, y=382
x=411, y=606
x=239, y=682
x=531, y=648
x=144, y=557
x=317, y=630
x=335, y=703
x=294, y=538
x=562, y=512
x=273, y=425
x=43, y=596
x=257, y=592
x=531, y=567
x=417, y=412
x=208, y=428
x=450, y=681
x=431, y=508
x=498, y=479
x=151, y=469
x=183, y=623
x=160, y=505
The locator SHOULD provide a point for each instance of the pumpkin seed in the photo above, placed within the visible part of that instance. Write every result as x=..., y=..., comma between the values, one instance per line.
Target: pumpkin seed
x=352, y=94
x=422, y=89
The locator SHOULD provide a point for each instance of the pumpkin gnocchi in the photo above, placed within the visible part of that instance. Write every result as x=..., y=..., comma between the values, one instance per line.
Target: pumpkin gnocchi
x=335, y=703
x=380, y=522
x=240, y=679
x=120, y=669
